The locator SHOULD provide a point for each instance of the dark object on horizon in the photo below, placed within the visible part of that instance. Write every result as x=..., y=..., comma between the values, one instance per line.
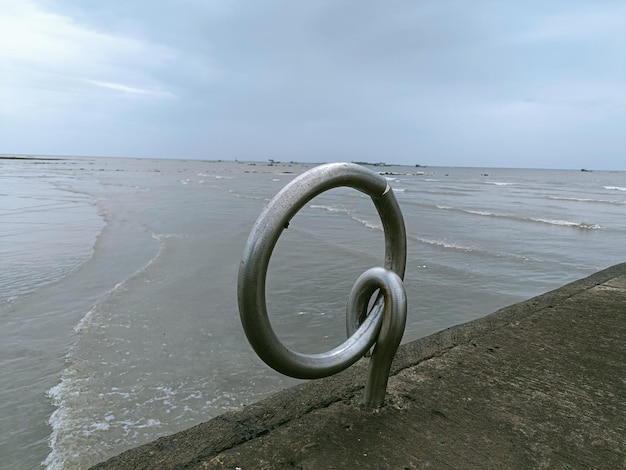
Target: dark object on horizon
x=585, y=170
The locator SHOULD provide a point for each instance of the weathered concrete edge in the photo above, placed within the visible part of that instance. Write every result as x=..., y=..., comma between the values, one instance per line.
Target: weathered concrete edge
x=234, y=428
x=437, y=343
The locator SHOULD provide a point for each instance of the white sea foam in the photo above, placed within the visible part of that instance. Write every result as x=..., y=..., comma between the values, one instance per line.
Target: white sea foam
x=368, y=223
x=440, y=243
x=73, y=429
x=484, y=213
x=543, y=220
x=579, y=199
x=84, y=322
x=101, y=426
x=499, y=183
x=615, y=188
x=567, y=223
x=131, y=424
x=330, y=208
x=59, y=421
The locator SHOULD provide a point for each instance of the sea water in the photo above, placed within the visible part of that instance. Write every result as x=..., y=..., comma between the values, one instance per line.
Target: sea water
x=118, y=281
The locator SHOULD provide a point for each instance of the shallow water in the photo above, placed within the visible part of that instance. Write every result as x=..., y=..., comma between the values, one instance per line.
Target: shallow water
x=118, y=304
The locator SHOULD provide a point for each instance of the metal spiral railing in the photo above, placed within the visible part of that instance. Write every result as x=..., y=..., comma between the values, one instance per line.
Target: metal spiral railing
x=381, y=327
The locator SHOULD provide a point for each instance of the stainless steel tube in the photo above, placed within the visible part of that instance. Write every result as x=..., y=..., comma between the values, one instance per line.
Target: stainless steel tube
x=363, y=328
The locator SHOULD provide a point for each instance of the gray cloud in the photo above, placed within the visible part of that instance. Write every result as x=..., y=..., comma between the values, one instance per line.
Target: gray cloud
x=442, y=83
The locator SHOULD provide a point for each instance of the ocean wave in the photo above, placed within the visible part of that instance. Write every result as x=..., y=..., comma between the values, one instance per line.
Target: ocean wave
x=73, y=433
x=567, y=223
x=484, y=213
x=217, y=177
x=342, y=210
x=447, y=191
x=440, y=243
x=368, y=223
x=188, y=181
x=24, y=271
x=330, y=208
x=470, y=250
x=499, y=183
x=128, y=415
x=246, y=196
x=543, y=220
x=64, y=421
x=615, y=188
x=161, y=238
x=578, y=199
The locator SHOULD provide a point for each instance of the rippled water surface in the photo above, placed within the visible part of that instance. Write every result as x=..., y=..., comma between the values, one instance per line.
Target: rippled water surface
x=118, y=281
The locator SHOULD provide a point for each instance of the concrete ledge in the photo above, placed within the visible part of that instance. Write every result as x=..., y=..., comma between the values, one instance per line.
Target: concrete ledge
x=539, y=384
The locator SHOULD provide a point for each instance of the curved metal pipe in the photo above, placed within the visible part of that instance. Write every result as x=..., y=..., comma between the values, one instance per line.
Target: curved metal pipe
x=364, y=329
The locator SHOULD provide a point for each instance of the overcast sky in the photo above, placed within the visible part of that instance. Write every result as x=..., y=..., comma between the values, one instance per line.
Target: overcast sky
x=433, y=82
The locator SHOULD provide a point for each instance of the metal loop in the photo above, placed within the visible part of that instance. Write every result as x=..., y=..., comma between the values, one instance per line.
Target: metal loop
x=384, y=325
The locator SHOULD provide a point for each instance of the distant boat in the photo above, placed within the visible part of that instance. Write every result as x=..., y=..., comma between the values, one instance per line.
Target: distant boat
x=585, y=170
